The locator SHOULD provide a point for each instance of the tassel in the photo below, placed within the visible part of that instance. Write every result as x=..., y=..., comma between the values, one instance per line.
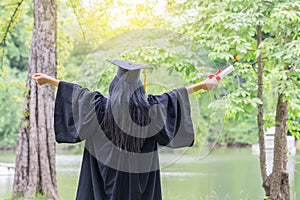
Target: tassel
x=145, y=80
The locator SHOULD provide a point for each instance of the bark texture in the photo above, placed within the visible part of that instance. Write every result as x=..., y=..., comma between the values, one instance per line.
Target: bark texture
x=276, y=185
x=35, y=156
x=280, y=178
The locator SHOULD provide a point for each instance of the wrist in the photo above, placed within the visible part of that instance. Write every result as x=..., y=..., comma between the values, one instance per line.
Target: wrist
x=196, y=87
x=53, y=81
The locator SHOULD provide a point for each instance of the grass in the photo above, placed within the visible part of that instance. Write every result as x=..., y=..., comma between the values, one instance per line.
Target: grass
x=38, y=197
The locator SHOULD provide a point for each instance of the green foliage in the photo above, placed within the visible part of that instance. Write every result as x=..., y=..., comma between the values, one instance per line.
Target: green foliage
x=17, y=45
x=14, y=37
x=90, y=33
x=11, y=106
x=228, y=28
x=95, y=23
x=14, y=32
x=224, y=29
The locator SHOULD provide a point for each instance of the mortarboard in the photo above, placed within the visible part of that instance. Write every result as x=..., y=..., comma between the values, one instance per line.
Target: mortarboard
x=128, y=65
x=131, y=67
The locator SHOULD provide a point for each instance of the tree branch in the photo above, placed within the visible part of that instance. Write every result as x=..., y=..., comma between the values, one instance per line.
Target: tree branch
x=260, y=115
x=77, y=17
x=2, y=58
x=2, y=42
x=10, y=22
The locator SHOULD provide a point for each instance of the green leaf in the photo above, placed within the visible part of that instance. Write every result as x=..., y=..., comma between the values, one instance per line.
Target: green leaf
x=257, y=100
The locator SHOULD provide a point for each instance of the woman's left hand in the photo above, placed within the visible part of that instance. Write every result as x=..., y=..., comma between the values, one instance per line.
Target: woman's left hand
x=41, y=78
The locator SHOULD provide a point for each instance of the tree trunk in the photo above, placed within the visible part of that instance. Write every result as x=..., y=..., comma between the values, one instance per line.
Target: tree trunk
x=280, y=178
x=260, y=117
x=35, y=156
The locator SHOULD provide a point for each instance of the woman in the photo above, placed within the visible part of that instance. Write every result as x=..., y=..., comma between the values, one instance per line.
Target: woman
x=122, y=132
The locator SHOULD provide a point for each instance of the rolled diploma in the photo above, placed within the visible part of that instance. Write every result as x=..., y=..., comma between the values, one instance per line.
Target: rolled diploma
x=226, y=71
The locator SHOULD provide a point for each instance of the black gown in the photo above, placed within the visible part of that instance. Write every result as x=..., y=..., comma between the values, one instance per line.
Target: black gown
x=77, y=110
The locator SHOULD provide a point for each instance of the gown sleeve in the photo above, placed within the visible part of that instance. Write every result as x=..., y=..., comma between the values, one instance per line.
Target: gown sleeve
x=172, y=113
x=77, y=112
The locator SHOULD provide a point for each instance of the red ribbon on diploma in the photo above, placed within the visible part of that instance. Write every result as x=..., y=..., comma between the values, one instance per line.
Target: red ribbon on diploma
x=216, y=75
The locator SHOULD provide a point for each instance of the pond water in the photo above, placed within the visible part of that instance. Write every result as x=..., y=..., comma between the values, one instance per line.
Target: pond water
x=223, y=174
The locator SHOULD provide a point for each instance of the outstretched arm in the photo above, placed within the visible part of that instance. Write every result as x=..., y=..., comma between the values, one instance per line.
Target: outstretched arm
x=42, y=79
x=208, y=85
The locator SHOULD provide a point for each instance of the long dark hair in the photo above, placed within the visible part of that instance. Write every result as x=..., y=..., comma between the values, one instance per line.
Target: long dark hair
x=120, y=128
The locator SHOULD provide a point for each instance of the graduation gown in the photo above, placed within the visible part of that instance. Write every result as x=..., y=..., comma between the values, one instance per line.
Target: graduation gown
x=106, y=172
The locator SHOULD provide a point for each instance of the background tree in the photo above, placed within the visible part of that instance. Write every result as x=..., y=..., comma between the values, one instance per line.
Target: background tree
x=35, y=160
x=280, y=49
x=265, y=35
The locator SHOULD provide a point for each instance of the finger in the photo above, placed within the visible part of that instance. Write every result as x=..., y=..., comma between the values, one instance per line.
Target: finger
x=211, y=82
x=36, y=78
x=37, y=74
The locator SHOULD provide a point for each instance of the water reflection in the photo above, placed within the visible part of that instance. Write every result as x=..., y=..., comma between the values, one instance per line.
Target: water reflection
x=6, y=182
x=68, y=163
x=225, y=174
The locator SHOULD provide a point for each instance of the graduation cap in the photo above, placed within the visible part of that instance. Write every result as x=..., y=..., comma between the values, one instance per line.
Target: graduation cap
x=132, y=68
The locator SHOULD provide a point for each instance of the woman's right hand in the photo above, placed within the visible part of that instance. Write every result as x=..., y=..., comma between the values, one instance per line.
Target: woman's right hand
x=208, y=84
